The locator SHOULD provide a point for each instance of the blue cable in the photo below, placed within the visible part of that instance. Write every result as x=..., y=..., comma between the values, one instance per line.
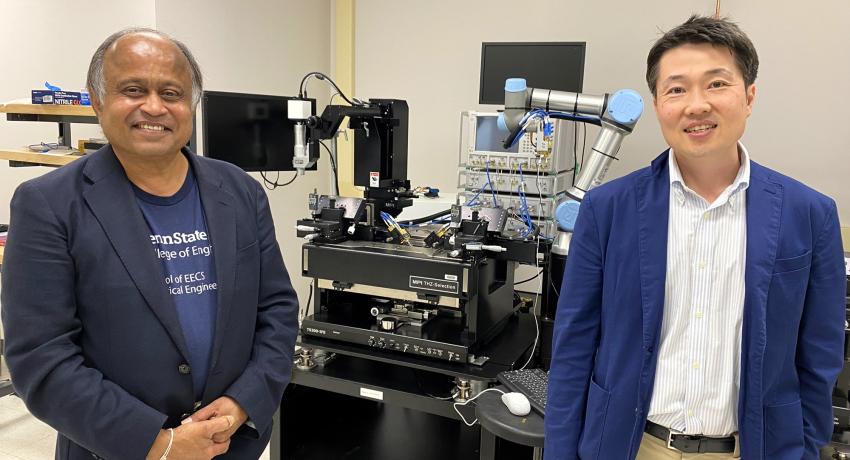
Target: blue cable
x=524, y=205
x=559, y=115
x=536, y=113
x=474, y=197
x=495, y=202
x=489, y=183
x=584, y=119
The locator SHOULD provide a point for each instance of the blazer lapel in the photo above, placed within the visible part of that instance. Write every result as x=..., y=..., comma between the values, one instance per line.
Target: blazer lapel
x=113, y=204
x=221, y=223
x=653, y=208
x=764, y=204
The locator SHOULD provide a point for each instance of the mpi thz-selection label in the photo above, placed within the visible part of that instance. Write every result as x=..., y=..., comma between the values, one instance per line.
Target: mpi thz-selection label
x=434, y=284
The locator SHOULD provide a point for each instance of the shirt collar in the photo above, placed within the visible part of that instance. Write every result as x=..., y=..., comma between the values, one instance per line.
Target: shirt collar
x=741, y=182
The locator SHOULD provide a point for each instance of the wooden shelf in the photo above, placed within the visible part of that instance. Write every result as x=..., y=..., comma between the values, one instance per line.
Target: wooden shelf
x=35, y=158
x=49, y=109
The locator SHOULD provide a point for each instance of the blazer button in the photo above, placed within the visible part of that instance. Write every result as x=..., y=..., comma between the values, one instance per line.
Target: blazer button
x=184, y=369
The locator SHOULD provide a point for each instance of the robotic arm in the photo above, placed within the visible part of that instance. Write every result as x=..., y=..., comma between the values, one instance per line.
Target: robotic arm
x=617, y=114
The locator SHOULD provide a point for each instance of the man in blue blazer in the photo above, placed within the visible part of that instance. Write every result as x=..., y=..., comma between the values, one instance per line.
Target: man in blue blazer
x=702, y=308
x=147, y=308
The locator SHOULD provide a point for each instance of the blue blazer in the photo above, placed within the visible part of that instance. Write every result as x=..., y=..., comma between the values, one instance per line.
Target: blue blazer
x=608, y=322
x=94, y=345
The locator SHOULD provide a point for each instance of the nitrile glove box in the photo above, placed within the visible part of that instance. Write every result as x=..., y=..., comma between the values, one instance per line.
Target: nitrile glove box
x=46, y=96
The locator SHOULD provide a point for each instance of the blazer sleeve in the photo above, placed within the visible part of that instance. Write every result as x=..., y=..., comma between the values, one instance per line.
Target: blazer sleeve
x=820, y=348
x=43, y=332
x=575, y=338
x=260, y=387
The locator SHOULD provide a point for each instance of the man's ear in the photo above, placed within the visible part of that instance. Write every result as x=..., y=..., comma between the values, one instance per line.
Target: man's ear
x=751, y=98
x=95, y=103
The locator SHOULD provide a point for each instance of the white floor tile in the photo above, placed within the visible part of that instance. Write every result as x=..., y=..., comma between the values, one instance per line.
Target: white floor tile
x=9, y=457
x=22, y=436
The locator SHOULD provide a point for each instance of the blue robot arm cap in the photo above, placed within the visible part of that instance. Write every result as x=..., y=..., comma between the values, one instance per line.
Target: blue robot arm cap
x=566, y=215
x=625, y=106
x=515, y=85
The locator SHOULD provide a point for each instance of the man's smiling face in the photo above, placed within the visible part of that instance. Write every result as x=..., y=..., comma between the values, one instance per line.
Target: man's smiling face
x=146, y=111
x=702, y=102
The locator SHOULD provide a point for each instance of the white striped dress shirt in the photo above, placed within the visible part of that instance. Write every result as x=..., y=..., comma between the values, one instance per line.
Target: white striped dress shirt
x=698, y=374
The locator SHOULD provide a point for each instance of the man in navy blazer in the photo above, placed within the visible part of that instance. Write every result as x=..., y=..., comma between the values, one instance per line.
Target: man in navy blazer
x=147, y=308
x=702, y=308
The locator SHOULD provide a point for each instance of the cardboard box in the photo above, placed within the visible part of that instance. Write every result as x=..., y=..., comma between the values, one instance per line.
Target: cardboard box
x=45, y=96
x=90, y=145
x=42, y=96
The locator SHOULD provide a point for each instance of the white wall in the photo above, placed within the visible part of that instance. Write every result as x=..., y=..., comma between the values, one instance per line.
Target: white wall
x=34, y=51
x=262, y=47
x=429, y=53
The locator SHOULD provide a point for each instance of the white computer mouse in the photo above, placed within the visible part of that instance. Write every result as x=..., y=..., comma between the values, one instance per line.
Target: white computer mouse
x=516, y=403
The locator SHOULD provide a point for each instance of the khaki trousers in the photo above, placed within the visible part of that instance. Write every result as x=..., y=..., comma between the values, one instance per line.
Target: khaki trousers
x=652, y=448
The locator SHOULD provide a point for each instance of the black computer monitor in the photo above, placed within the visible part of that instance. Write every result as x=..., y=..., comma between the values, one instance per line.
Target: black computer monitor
x=251, y=131
x=549, y=65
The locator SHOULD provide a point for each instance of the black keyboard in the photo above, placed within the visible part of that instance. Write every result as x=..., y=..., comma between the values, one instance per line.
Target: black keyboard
x=533, y=383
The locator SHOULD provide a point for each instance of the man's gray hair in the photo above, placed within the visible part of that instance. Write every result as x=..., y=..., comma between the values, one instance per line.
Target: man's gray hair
x=96, y=82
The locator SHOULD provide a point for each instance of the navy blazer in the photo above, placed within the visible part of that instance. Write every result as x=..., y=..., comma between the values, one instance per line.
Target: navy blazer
x=93, y=342
x=608, y=322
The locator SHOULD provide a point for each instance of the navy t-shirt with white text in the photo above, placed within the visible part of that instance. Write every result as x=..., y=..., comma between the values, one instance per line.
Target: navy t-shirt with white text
x=181, y=241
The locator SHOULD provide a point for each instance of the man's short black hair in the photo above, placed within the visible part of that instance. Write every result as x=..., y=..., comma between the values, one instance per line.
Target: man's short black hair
x=718, y=32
